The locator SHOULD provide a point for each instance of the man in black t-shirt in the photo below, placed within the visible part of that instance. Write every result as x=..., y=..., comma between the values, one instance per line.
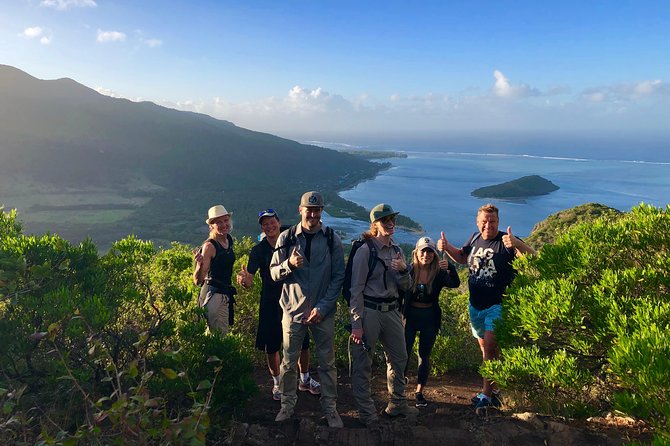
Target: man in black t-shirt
x=269, y=333
x=489, y=254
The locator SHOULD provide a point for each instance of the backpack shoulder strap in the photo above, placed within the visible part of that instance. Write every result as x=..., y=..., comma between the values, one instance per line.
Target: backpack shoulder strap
x=372, y=260
x=290, y=238
x=330, y=238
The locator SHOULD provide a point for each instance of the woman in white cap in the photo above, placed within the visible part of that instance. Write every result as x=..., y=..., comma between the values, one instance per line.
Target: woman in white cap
x=214, y=270
x=421, y=306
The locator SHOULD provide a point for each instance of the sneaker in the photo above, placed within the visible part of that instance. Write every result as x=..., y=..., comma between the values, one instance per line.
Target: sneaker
x=334, y=420
x=284, y=414
x=495, y=397
x=486, y=402
x=276, y=393
x=420, y=400
x=312, y=386
x=405, y=410
x=475, y=399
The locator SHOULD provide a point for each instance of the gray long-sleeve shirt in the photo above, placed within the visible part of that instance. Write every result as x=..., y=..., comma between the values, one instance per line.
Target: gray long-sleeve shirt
x=374, y=287
x=317, y=283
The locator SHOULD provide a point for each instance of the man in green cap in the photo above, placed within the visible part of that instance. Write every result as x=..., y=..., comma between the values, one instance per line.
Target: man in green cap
x=375, y=315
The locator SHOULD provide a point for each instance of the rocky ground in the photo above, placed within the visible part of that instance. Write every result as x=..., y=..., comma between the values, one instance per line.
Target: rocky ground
x=449, y=419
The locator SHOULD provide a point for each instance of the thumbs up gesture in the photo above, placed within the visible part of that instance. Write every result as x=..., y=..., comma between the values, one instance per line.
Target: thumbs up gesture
x=296, y=259
x=244, y=278
x=509, y=240
x=398, y=263
x=442, y=243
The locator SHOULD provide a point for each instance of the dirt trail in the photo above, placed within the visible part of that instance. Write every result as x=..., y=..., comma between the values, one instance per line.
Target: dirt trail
x=448, y=420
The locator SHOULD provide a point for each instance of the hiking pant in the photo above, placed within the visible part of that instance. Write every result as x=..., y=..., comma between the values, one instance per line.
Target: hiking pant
x=217, y=312
x=323, y=334
x=385, y=326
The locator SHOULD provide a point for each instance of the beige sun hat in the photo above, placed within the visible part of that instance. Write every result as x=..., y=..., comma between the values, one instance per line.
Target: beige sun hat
x=216, y=212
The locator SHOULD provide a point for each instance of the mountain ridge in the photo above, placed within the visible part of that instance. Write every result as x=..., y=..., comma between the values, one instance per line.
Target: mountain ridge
x=59, y=136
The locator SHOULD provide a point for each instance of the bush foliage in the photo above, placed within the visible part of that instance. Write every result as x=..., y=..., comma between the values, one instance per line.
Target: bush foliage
x=108, y=350
x=586, y=322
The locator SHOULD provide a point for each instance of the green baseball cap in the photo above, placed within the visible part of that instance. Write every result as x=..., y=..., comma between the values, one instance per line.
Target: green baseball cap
x=380, y=211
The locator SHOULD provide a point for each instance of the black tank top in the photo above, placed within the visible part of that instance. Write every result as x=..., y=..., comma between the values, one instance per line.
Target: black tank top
x=221, y=268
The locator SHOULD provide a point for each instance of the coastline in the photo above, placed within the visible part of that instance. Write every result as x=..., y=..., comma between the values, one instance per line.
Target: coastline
x=339, y=207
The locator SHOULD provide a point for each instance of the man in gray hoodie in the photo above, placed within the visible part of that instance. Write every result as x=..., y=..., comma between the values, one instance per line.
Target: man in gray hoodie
x=309, y=259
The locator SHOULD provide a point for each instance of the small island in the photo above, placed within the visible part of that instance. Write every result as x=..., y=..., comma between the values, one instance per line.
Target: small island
x=528, y=186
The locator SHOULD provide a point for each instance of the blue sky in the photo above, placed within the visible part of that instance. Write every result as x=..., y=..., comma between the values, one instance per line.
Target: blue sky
x=339, y=70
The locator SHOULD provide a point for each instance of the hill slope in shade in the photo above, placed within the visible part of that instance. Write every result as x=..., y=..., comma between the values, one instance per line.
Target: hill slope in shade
x=157, y=170
x=523, y=187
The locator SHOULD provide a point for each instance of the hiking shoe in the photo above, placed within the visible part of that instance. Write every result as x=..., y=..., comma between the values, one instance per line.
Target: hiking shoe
x=312, y=386
x=420, y=400
x=284, y=414
x=371, y=422
x=405, y=410
x=276, y=393
x=334, y=420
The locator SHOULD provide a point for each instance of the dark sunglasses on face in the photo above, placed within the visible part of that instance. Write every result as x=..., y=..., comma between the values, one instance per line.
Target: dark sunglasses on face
x=388, y=220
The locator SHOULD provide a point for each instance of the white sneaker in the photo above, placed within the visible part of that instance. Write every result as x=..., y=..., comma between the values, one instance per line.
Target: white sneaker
x=312, y=386
x=334, y=420
x=284, y=414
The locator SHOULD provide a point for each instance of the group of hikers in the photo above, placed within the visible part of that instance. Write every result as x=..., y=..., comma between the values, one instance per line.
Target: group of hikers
x=303, y=274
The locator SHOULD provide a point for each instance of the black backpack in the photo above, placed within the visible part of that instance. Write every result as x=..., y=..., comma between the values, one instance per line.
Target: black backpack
x=290, y=239
x=372, y=262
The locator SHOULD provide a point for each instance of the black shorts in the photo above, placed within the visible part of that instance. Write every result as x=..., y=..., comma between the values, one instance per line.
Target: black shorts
x=269, y=334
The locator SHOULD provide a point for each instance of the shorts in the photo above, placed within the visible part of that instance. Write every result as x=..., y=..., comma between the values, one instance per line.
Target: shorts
x=484, y=320
x=269, y=334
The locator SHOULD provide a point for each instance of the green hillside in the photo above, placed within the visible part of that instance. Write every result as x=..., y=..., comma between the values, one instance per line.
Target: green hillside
x=549, y=229
x=79, y=163
x=523, y=187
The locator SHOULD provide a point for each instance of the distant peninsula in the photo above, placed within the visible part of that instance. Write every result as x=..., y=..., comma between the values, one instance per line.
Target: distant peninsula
x=528, y=186
x=375, y=154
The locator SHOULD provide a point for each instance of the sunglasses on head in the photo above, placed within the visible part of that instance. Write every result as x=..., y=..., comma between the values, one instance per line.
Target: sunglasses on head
x=266, y=212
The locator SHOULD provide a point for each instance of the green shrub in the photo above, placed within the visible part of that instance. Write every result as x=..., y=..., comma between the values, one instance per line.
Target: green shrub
x=111, y=349
x=585, y=323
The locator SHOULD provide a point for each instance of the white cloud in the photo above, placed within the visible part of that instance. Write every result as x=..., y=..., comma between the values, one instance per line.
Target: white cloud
x=504, y=89
x=32, y=32
x=110, y=36
x=67, y=4
x=152, y=43
x=629, y=92
x=36, y=32
x=107, y=92
x=303, y=110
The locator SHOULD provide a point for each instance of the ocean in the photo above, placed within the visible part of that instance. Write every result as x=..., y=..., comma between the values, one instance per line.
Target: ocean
x=433, y=188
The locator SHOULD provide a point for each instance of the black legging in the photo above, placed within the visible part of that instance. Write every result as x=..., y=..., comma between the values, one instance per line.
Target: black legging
x=422, y=320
